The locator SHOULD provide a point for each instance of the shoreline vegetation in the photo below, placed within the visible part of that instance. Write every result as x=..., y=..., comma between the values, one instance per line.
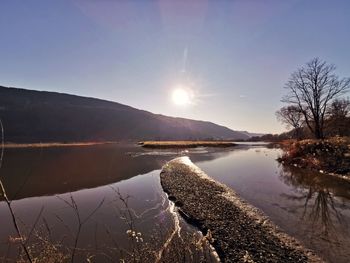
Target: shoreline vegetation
x=331, y=156
x=53, y=144
x=238, y=231
x=185, y=144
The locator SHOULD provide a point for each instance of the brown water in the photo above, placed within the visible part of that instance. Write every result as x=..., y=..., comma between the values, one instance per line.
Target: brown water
x=311, y=207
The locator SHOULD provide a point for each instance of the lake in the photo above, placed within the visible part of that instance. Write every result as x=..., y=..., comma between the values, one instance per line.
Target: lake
x=114, y=189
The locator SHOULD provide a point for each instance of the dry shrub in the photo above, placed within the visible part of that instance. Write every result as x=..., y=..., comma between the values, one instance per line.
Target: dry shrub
x=329, y=155
x=46, y=251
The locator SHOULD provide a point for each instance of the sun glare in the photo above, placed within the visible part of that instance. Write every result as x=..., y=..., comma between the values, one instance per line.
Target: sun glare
x=181, y=96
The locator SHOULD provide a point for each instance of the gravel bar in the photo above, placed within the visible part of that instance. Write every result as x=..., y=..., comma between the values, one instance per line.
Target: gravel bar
x=241, y=232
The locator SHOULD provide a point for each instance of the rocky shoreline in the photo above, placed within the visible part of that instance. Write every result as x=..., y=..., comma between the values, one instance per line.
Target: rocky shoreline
x=239, y=231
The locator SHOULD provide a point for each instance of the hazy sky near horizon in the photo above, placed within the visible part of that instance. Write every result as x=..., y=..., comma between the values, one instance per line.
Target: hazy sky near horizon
x=235, y=56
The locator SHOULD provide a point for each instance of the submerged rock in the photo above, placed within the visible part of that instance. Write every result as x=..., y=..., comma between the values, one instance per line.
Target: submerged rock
x=239, y=231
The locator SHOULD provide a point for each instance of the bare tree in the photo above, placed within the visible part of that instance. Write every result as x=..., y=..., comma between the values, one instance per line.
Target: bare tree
x=338, y=118
x=312, y=89
x=340, y=108
x=292, y=117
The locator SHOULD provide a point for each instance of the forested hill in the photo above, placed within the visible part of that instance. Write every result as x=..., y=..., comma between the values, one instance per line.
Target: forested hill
x=40, y=116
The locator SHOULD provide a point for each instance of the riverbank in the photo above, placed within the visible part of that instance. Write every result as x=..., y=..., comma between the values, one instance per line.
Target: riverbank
x=185, y=144
x=53, y=144
x=330, y=156
x=239, y=231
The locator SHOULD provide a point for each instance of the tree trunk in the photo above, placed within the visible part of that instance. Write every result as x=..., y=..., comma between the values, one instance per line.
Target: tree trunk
x=318, y=132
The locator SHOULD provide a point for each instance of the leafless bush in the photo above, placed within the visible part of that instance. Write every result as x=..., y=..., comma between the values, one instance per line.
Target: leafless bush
x=81, y=221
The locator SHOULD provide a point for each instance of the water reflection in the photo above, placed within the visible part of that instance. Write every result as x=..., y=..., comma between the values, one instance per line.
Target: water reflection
x=318, y=192
x=73, y=196
x=313, y=207
x=34, y=172
x=324, y=210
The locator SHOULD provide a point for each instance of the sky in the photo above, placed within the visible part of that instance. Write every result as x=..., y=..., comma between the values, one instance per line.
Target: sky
x=232, y=57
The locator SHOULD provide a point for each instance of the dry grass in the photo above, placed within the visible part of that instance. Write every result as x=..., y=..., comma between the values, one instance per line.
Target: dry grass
x=186, y=144
x=330, y=156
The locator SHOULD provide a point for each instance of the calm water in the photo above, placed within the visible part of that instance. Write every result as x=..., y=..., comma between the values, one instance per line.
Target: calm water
x=311, y=207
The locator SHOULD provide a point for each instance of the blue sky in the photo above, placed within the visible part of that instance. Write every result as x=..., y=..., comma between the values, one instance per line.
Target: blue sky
x=235, y=56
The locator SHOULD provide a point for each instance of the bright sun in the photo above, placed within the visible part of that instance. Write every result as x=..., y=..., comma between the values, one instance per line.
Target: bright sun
x=181, y=96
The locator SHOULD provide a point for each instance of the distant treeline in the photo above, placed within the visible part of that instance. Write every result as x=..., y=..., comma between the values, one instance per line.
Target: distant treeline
x=334, y=127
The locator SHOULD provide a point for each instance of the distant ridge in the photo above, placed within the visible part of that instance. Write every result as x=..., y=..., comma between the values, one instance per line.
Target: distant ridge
x=41, y=116
x=252, y=134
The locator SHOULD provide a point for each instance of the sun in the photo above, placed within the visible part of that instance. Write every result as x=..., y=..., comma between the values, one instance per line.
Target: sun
x=181, y=96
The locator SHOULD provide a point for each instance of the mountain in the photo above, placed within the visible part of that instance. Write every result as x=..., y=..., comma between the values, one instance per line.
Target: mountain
x=252, y=134
x=40, y=116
